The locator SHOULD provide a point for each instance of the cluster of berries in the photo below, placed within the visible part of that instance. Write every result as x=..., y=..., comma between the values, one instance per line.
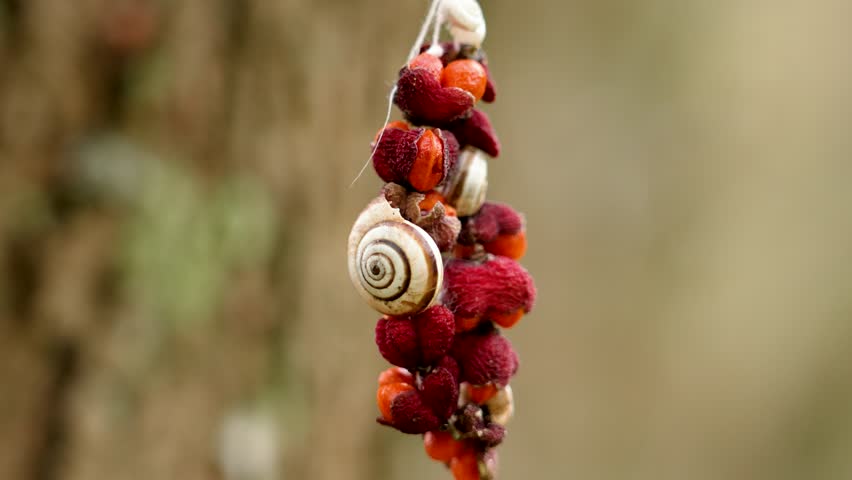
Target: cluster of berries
x=443, y=301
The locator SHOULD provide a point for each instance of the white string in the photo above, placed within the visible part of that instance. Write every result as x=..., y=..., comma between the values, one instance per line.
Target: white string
x=436, y=29
x=415, y=50
x=381, y=134
x=430, y=17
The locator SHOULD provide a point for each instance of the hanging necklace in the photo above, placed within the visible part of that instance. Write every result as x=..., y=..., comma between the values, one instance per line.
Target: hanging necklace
x=437, y=259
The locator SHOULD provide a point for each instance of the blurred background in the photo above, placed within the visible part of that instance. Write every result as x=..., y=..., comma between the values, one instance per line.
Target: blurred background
x=175, y=202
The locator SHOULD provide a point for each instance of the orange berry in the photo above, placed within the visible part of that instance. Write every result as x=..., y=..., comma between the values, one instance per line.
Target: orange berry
x=469, y=75
x=431, y=199
x=428, y=168
x=513, y=245
x=465, y=466
x=428, y=62
x=464, y=324
x=386, y=394
x=394, y=124
x=507, y=320
x=434, y=197
x=479, y=394
x=464, y=251
x=441, y=446
x=401, y=124
x=396, y=375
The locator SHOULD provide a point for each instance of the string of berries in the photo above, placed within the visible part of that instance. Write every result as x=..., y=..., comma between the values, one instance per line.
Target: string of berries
x=439, y=261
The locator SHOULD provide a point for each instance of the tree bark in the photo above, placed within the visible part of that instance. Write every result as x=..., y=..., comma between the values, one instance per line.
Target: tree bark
x=170, y=236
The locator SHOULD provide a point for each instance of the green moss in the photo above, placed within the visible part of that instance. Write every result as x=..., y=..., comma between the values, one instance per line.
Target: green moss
x=184, y=242
x=183, y=239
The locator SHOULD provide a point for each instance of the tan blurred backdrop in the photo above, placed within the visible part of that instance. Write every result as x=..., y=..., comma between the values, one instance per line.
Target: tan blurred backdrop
x=174, y=205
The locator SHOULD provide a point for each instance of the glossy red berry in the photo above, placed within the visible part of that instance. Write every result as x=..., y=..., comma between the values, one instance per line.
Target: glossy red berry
x=465, y=466
x=441, y=445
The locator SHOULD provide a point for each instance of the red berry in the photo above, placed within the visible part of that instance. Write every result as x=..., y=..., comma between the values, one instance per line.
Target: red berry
x=385, y=396
x=396, y=375
x=465, y=466
x=441, y=446
x=392, y=382
x=428, y=62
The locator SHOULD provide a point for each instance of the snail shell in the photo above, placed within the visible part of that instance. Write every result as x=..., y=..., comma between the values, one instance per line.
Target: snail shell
x=466, y=189
x=464, y=20
x=394, y=264
x=501, y=406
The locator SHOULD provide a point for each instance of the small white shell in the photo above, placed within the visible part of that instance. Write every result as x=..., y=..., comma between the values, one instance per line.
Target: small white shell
x=394, y=264
x=465, y=21
x=466, y=189
x=501, y=406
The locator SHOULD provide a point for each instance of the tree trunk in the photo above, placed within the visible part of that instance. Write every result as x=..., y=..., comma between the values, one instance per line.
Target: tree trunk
x=171, y=223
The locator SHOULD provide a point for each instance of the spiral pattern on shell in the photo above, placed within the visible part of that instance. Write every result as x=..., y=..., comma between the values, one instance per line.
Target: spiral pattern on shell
x=394, y=264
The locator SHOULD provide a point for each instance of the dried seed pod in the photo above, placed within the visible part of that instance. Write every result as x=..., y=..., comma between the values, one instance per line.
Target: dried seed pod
x=424, y=408
x=418, y=340
x=476, y=131
x=434, y=197
x=466, y=188
x=492, y=220
x=440, y=388
x=485, y=357
x=425, y=102
x=442, y=227
x=454, y=51
x=394, y=264
x=490, y=88
x=499, y=228
x=419, y=157
x=497, y=289
x=386, y=394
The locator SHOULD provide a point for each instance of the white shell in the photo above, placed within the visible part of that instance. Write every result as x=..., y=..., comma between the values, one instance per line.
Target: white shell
x=464, y=20
x=466, y=189
x=501, y=406
x=394, y=264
